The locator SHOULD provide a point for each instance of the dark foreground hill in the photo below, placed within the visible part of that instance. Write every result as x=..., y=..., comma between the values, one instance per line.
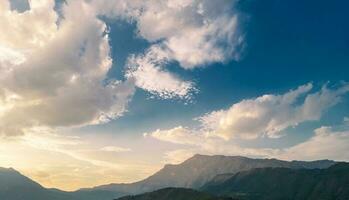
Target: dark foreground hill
x=285, y=183
x=174, y=194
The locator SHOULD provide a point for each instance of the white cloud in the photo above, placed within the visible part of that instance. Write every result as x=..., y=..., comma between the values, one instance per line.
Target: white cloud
x=30, y=29
x=268, y=115
x=148, y=73
x=115, y=149
x=177, y=135
x=9, y=57
x=325, y=144
x=200, y=142
x=54, y=75
x=194, y=33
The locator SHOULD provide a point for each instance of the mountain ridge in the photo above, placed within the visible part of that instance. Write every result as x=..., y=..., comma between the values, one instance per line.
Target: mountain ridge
x=199, y=169
x=285, y=183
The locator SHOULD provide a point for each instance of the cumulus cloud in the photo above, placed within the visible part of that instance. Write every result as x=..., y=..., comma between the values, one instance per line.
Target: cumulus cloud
x=54, y=75
x=269, y=115
x=194, y=33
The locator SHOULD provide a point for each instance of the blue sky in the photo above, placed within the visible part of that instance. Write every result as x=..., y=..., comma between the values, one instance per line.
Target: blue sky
x=119, y=88
x=283, y=50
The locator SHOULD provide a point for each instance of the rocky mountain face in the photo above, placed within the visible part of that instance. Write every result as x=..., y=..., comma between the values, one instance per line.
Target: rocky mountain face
x=284, y=183
x=196, y=171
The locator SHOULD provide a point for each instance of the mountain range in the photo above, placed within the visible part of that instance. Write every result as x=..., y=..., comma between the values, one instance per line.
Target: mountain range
x=199, y=169
x=200, y=172
x=265, y=184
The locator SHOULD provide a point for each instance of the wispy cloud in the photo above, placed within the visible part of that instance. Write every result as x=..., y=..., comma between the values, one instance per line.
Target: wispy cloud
x=148, y=73
x=115, y=149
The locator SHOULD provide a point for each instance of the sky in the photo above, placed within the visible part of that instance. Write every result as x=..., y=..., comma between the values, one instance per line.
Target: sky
x=108, y=91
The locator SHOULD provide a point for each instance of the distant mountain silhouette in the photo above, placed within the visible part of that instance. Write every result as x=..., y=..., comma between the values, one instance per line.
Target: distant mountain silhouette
x=174, y=194
x=192, y=173
x=15, y=186
x=284, y=183
x=196, y=171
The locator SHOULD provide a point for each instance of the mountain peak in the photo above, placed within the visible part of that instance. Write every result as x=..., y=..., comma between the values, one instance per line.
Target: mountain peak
x=199, y=155
x=4, y=169
x=198, y=169
x=210, y=157
x=9, y=172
